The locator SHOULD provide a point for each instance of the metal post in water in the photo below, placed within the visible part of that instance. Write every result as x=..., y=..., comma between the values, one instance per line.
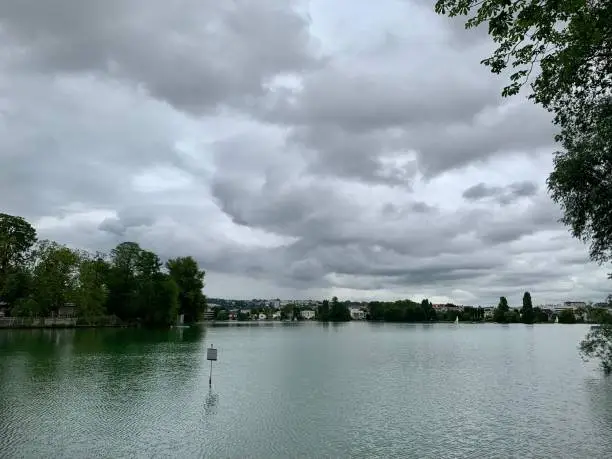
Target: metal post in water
x=211, y=354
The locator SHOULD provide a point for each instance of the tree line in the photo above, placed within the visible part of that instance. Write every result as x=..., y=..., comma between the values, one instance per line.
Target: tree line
x=38, y=277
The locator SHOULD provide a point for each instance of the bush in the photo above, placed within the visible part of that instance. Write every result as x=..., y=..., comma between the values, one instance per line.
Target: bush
x=567, y=317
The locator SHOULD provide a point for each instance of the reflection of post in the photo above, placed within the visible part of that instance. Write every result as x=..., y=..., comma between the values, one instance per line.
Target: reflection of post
x=211, y=354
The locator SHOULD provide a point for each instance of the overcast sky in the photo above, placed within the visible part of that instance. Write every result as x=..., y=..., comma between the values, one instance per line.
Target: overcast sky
x=297, y=149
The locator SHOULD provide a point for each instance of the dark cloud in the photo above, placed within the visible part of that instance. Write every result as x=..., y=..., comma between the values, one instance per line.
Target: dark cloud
x=480, y=191
x=504, y=195
x=126, y=219
x=193, y=54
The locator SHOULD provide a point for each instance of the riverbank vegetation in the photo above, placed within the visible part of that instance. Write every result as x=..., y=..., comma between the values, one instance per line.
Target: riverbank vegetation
x=131, y=284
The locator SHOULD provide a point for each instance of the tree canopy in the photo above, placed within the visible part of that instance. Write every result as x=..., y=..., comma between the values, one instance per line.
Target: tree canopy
x=527, y=313
x=190, y=282
x=563, y=50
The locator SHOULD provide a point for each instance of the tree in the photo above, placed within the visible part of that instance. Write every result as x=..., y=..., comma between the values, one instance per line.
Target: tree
x=539, y=315
x=92, y=290
x=338, y=312
x=121, y=281
x=222, y=314
x=567, y=317
x=428, y=310
x=55, y=276
x=17, y=237
x=527, y=314
x=190, y=281
x=16, y=285
x=323, y=311
x=500, y=315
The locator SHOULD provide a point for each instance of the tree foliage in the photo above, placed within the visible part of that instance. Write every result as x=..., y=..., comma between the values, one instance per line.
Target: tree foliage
x=598, y=345
x=502, y=312
x=55, y=276
x=92, y=290
x=338, y=312
x=567, y=317
x=569, y=45
x=323, y=311
x=38, y=280
x=527, y=313
x=17, y=237
x=190, y=281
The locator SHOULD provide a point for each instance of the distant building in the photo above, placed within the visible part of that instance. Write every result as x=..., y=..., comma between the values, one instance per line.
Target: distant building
x=307, y=314
x=574, y=304
x=357, y=314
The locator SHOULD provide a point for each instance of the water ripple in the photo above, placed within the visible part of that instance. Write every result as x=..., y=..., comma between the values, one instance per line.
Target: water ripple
x=356, y=390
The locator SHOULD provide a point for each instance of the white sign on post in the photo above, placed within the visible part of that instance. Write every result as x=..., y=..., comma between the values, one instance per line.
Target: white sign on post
x=211, y=354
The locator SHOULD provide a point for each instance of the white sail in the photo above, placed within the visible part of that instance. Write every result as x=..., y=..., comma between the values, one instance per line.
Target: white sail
x=457, y=319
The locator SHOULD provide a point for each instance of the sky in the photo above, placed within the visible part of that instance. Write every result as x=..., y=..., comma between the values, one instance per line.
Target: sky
x=297, y=149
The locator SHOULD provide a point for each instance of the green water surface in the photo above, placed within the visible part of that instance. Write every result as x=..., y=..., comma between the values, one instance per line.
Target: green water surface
x=307, y=390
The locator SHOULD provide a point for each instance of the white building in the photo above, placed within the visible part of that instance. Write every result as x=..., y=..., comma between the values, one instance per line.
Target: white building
x=357, y=314
x=307, y=314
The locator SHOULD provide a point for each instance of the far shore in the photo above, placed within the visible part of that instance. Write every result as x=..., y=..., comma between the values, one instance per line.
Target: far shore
x=73, y=324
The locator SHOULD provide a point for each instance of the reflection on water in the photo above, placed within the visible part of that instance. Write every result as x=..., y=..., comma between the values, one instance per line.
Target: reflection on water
x=303, y=390
x=210, y=404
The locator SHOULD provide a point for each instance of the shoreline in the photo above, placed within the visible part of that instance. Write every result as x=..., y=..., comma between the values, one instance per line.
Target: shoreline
x=72, y=325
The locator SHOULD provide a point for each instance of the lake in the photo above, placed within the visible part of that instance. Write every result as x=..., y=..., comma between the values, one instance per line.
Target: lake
x=305, y=390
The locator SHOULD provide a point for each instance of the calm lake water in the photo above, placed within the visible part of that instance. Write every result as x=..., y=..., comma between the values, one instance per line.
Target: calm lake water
x=308, y=390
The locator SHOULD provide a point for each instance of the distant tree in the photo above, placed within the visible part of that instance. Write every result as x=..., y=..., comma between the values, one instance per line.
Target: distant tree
x=55, y=276
x=567, y=317
x=323, y=311
x=190, y=280
x=243, y=316
x=539, y=315
x=500, y=315
x=92, y=290
x=121, y=281
x=339, y=312
x=428, y=310
x=16, y=285
x=527, y=314
x=222, y=314
x=156, y=293
x=513, y=316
